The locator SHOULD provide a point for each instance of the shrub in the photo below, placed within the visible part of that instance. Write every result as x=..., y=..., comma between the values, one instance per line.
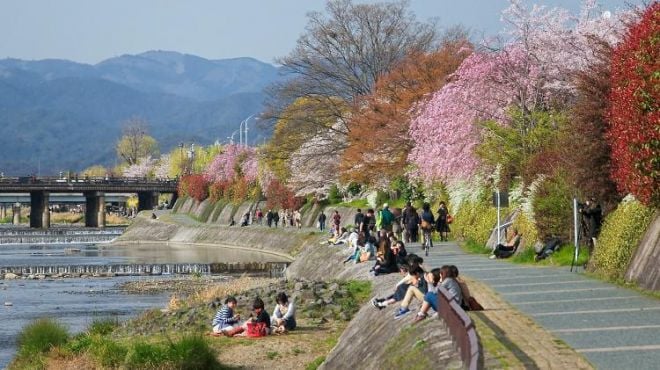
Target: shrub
x=635, y=111
x=40, y=336
x=334, y=196
x=527, y=229
x=107, y=352
x=621, y=232
x=194, y=186
x=475, y=221
x=193, y=352
x=552, y=206
x=142, y=355
x=102, y=327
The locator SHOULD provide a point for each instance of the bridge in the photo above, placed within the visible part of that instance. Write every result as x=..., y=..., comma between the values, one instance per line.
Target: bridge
x=94, y=189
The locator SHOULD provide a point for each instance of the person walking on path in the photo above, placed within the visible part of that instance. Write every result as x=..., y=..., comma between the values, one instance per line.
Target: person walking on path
x=442, y=226
x=386, y=217
x=269, y=218
x=336, y=221
x=322, y=219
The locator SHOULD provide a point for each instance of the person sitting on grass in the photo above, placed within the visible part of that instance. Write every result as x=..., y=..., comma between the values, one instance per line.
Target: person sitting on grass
x=445, y=276
x=417, y=289
x=284, y=315
x=225, y=322
x=508, y=249
x=258, y=325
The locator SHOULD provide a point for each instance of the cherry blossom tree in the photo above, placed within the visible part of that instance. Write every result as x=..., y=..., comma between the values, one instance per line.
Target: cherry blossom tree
x=534, y=70
x=235, y=161
x=143, y=168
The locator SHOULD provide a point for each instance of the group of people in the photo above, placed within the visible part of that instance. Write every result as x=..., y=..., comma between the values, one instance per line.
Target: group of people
x=227, y=322
x=289, y=218
x=424, y=287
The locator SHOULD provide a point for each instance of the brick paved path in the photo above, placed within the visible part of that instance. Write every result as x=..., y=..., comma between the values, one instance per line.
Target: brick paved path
x=613, y=327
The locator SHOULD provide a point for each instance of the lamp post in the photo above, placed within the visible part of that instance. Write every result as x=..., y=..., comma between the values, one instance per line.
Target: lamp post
x=182, y=163
x=191, y=157
x=246, y=129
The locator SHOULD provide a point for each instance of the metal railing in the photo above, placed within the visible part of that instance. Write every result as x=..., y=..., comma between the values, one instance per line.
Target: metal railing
x=68, y=184
x=461, y=329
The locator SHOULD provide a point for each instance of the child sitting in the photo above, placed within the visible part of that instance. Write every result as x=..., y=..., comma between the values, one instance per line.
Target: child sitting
x=225, y=321
x=284, y=315
x=259, y=323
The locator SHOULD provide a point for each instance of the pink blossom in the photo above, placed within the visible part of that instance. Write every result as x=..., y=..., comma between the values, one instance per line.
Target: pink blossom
x=233, y=159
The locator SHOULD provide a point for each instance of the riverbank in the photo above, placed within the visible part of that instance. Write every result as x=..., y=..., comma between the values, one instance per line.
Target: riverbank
x=329, y=295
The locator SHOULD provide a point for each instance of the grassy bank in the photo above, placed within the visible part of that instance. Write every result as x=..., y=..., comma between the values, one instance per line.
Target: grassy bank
x=176, y=338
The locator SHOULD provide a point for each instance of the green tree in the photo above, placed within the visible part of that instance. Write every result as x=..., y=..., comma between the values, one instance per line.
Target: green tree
x=517, y=146
x=135, y=142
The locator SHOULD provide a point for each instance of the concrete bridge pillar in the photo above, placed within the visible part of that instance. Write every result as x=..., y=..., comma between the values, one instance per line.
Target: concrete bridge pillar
x=16, y=212
x=175, y=196
x=147, y=200
x=39, y=212
x=94, y=209
x=3, y=211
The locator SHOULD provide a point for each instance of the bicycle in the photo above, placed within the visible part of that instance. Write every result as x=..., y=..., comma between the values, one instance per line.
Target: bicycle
x=427, y=241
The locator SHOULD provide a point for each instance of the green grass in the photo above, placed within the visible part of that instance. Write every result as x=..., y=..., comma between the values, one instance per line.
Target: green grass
x=473, y=247
x=355, y=203
x=563, y=257
x=272, y=355
x=359, y=292
x=40, y=336
x=315, y=364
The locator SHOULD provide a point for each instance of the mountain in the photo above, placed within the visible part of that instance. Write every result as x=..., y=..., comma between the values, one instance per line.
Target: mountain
x=58, y=115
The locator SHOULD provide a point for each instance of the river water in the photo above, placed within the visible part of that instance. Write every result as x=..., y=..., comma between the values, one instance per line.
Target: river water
x=77, y=302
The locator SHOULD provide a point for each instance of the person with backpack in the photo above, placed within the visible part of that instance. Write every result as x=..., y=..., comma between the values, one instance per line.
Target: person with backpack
x=386, y=218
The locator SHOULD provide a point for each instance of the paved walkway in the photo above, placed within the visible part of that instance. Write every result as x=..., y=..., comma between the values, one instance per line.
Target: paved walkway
x=613, y=327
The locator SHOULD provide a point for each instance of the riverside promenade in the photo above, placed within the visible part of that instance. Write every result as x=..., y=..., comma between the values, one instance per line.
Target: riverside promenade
x=611, y=326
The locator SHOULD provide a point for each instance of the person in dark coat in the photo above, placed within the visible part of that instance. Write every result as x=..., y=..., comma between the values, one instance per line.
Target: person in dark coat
x=411, y=221
x=593, y=215
x=322, y=219
x=269, y=218
x=441, y=224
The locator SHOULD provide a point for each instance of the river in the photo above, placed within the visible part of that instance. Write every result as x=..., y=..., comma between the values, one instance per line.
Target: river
x=78, y=301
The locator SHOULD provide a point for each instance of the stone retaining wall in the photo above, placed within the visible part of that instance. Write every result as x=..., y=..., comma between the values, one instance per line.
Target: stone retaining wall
x=644, y=267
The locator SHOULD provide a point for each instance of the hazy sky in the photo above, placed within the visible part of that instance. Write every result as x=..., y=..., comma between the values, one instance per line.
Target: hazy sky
x=90, y=31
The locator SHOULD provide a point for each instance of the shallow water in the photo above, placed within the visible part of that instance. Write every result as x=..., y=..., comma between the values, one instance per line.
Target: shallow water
x=77, y=302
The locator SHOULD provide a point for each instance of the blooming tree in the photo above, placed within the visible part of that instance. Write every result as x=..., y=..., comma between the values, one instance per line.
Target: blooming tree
x=143, y=168
x=162, y=167
x=533, y=71
x=235, y=161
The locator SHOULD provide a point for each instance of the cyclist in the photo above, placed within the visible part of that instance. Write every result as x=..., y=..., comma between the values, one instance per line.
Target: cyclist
x=427, y=226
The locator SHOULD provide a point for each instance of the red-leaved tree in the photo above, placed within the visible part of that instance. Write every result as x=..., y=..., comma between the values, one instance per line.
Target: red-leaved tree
x=634, y=115
x=194, y=186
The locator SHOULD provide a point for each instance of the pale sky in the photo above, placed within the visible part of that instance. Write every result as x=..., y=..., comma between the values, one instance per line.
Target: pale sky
x=89, y=31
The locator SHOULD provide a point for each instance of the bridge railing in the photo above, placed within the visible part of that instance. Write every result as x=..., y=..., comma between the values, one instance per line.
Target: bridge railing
x=461, y=328
x=54, y=180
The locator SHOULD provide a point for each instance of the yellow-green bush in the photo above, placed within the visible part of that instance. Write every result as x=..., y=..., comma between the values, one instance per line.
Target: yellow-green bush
x=619, y=237
x=527, y=229
x=475, y=221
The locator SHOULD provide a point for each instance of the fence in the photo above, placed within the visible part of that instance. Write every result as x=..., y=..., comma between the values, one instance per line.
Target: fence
x=461, y=329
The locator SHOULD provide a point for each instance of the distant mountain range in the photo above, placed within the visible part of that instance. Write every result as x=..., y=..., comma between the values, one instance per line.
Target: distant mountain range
x=58, y=115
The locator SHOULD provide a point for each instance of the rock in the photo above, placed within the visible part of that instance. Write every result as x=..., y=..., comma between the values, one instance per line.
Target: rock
x=31, y=277
x=11, y=276
x=333, y=287
x=344, y=316
x=328, y=300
